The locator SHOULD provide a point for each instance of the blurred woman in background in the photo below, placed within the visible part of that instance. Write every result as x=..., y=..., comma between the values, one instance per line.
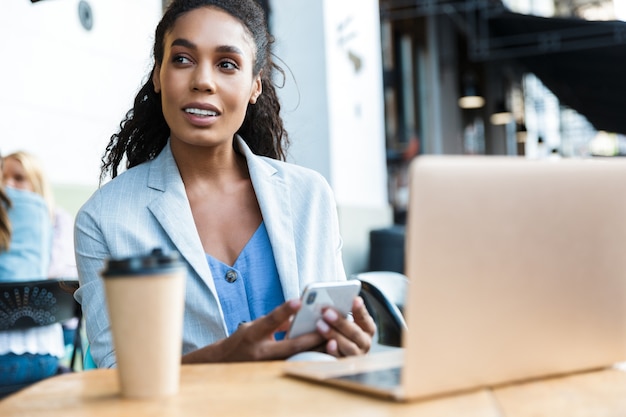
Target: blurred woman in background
x=28, y=355
x=24, y=171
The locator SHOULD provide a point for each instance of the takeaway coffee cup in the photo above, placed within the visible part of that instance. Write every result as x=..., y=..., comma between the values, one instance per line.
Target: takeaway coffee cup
x=145, y=297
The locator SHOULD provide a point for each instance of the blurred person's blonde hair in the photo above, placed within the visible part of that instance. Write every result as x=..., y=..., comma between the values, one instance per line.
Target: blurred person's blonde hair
x=33, y=169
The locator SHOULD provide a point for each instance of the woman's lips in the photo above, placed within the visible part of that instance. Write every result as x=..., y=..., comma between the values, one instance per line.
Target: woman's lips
x=200, y=117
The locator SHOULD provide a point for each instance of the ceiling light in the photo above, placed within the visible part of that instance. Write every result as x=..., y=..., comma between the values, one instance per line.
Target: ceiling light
x=471, y=99
x=501, y=116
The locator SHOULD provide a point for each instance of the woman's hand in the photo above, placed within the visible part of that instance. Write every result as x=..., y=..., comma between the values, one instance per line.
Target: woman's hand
x=255, y=340
x=345, y=337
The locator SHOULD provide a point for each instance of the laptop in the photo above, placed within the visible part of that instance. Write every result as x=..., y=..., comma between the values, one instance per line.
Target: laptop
x=516, y=272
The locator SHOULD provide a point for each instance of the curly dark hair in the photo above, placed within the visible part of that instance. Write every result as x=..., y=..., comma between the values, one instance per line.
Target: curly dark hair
x=144, y=132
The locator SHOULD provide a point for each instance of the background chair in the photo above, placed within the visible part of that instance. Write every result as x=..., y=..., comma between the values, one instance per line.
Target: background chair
x=27, y=304
x=384, y=295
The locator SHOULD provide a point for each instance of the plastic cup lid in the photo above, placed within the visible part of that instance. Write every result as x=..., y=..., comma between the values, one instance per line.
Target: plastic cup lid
x=155, y=262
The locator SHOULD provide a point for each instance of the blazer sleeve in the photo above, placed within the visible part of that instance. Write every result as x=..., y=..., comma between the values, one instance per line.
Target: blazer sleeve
x=91, y=250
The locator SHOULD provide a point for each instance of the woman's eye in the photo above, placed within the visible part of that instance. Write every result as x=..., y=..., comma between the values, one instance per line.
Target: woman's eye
x=179, y=59
x=229, y=65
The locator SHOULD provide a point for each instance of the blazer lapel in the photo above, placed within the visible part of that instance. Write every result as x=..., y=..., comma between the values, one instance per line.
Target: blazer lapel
x=171, y=209
x=273, y=197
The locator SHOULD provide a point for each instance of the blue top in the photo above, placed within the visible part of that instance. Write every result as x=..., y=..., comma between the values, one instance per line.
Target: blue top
x=250, y=288
x=28, y=256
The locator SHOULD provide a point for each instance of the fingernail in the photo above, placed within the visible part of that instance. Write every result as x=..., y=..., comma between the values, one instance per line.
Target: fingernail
x=332, y=346
x=322, y=326
x=330, y=315
x=294, y=303
x=359, y=301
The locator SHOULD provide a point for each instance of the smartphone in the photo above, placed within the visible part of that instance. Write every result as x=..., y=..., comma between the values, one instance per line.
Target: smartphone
x=316, y=296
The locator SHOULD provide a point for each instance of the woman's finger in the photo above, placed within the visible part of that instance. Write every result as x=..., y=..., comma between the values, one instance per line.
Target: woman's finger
x=275, y=321
x=350, y=338
x=362, y=317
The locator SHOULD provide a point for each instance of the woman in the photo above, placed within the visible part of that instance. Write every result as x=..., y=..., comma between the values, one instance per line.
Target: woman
x=204, y=143
x=29, y=355
x=23, y=171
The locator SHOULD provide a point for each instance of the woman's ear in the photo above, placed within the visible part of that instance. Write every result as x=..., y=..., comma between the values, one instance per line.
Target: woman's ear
x=156, y=80
x=257, y=89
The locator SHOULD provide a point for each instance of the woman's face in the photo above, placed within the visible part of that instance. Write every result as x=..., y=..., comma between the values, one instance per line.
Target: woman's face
x=13, y=175
x=206, y=79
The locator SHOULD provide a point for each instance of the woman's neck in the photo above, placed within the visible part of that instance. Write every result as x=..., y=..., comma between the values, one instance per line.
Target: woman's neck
x=218, y=165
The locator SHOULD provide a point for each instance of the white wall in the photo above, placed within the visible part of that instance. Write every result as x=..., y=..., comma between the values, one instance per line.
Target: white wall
x=355, y=102
x=300, y=47
x=65, y=89
x=333, y=107
x=334, y=111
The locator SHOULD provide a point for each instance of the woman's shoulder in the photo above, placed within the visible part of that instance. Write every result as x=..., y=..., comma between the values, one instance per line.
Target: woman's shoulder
x=297, y=177
x=289, y=171
x=297, y=173
x=132, y=178
x=135, y=176
x=121, y=188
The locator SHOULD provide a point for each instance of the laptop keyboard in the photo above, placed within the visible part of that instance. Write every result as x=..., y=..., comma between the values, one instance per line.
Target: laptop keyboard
x=384, y=378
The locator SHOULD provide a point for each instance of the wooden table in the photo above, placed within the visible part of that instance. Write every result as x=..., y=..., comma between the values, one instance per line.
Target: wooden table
x=260, y=389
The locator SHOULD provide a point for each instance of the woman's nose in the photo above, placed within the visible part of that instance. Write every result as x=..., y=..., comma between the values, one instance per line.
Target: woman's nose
x=10, y=182
x=203, y=79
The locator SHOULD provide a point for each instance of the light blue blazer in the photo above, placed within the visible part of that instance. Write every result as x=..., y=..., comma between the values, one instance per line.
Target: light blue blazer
x=147, y=207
